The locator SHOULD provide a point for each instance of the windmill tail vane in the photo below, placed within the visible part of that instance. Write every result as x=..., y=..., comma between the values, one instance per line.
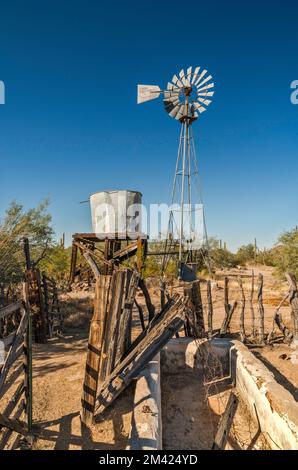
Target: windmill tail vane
x=185, y=98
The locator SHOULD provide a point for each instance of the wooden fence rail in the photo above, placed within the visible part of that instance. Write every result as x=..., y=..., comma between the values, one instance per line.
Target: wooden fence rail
x=15, y=371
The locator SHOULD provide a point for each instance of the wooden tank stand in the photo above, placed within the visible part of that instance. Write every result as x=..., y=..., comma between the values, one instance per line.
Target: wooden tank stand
x=117, y=248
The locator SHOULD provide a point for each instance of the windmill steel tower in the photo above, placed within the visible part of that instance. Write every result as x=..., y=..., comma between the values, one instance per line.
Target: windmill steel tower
x=186, y=97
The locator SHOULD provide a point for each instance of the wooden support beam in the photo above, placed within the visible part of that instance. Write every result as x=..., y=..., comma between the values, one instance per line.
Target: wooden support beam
x=261, y=309
x=242, y=313
x=96, y=334
x=124, y=333
x=251, y=298
x=149, y=305
x=210, y=309
x=293, y=299
x=73, y=263
x=225, y=423
x=134, y=362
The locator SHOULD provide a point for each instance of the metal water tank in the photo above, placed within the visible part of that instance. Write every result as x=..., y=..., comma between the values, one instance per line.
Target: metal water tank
x=116, y=212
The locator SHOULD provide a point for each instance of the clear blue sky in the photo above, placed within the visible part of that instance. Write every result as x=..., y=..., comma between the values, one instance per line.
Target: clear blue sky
x=71, y=125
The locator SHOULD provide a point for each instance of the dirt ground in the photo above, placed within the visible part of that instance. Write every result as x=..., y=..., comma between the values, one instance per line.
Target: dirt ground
x=57, y=381
x=190, y=417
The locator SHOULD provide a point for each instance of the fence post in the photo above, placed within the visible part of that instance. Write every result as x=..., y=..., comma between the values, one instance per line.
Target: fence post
x=294, y=302
x=261, y=308
x=28, y=359
x=210, y=309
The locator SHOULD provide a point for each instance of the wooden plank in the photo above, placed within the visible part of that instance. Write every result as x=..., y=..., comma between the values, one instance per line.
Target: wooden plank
x=13, y=401
x=198, y=305
x=111, y=236
x=13, y=352
x=261, y=308
x=107, y=330
x=227, y=306
x=114, y=314
x=149, y=305
x=8, y=340
x=73, y=263
x=242, y=313
x=14, y=425
x=92, y=264
x=210, y=309
x=125, y=252
x=227, y=319
x=6, y=435
x=10, y=309
x=225, y=423
x=251, y=298
x=157, y=318
x=11, y=380
x=124, y=337
x=141, y=315
x=293, y=299
x=96, y=333
x=133, y=363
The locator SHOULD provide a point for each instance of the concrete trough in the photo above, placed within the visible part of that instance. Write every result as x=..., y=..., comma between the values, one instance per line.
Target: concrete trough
x=271, y=407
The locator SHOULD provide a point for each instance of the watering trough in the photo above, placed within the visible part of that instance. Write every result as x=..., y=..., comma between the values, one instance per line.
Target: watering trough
x=181, y=395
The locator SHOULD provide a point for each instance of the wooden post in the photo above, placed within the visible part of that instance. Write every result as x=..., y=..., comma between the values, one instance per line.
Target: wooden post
x=197, y=301
x=141, y=315
x=261, y=308
x=251, y=298
x=227, y=307
x=46, y=305
x=74, y=256
x=106, y=255
x=113, y=314
x=226, y=296
x=293, y=302
x=140, y=355
x=96, y=333
x=28, y=360
x=242, y=313
x=225, y=423
x=162, y=294
x=123, y=341
x=149, y=305
x=210, y=309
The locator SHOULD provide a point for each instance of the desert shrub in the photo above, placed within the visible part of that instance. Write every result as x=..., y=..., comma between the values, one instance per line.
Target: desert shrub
x=223, y=258
x=245, y=253
x=57, y=262
x=17, y=223
x=285, y=254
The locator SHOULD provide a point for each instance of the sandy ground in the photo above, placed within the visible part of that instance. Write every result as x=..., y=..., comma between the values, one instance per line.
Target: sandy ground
x=58, y=377
x=190, y=419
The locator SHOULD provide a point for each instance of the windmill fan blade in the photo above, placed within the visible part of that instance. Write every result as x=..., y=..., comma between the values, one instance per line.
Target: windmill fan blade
x=177, y=82
x=183, y=78
x=199, y=108
x=202, y=74
x=204, y=101
x=197, y=69
x=189, y=70
x=180, y=113
x=173, y=88
x=207, y=87
x=147, y=93
x=174, y=111
x=204, y=81
x=206, y=93
x=170, y=104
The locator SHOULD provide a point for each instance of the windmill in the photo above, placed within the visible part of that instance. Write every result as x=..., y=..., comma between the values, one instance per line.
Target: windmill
x=186, y=97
